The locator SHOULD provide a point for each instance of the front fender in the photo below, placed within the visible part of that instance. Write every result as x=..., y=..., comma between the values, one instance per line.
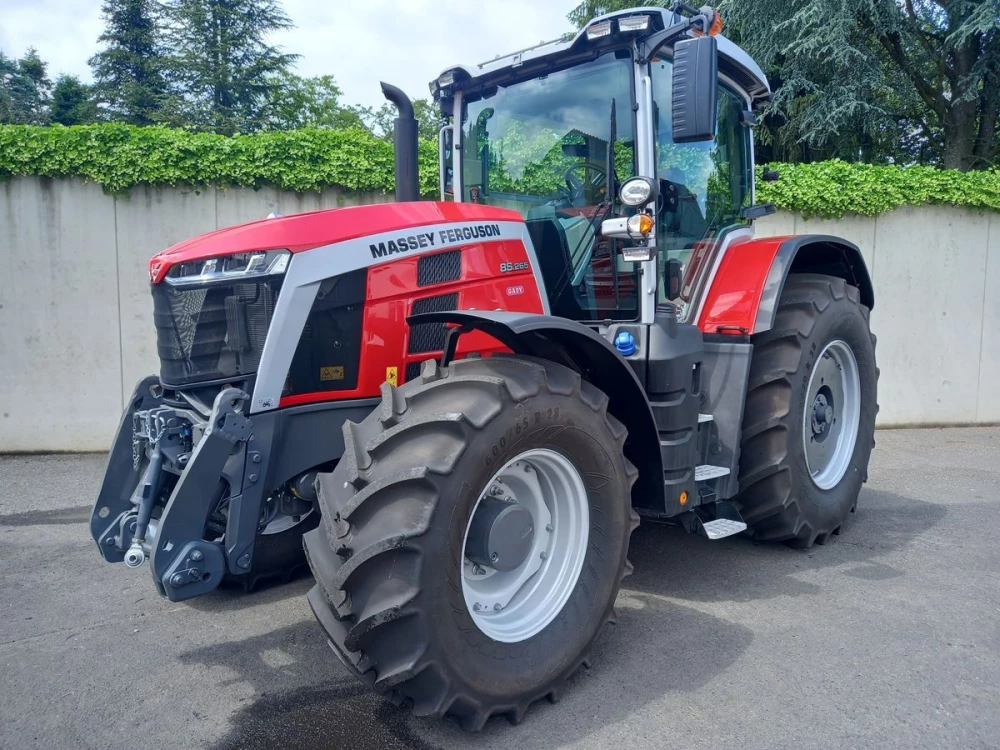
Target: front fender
x=582, y=349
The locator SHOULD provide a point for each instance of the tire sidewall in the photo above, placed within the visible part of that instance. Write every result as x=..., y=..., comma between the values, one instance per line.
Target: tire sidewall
x=843, y=320
x=566, y=425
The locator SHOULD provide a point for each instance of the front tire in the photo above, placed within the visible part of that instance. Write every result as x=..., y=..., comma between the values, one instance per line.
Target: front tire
x=809, y=420
x=390, y=558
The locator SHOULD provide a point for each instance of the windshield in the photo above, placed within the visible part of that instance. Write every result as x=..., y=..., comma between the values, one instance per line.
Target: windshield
x=704, y=185
x=541, y=147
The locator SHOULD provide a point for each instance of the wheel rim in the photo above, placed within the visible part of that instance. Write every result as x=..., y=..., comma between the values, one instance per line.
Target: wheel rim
x=513, y=605
x=832, y=414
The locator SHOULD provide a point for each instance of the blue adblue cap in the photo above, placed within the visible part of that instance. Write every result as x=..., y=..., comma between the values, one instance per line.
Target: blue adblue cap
x=625, y=344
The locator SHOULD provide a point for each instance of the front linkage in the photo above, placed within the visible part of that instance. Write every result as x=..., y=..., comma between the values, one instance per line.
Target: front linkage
x=202, y=452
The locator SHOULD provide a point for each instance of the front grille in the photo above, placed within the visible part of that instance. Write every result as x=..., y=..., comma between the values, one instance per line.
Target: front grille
x=213, y=331
x=439, y=268
x=429, y=337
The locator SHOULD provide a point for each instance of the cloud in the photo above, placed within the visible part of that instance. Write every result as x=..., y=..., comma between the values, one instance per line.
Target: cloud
x=359, y=42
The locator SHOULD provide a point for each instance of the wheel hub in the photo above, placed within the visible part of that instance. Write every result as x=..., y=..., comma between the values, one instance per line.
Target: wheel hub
x=525, y=545
x=501, y=535
x=833, y=414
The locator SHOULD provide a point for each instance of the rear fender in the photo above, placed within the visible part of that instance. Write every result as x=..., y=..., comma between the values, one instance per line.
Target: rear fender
x=743, y=297
x=580, y=348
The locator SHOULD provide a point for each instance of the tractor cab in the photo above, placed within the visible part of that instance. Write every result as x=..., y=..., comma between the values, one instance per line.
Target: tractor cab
x=556, y=131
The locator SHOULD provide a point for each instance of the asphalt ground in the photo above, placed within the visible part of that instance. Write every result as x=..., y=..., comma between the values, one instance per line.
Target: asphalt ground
x=888, y=636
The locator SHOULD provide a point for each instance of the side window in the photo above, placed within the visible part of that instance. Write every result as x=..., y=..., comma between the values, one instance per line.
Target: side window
x=704, y=185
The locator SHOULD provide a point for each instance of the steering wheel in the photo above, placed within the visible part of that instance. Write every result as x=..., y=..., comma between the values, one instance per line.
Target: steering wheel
x=593, y=177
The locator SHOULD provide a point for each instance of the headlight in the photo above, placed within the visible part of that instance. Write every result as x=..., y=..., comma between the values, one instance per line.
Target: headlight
x=638, y=191
x=228, y=268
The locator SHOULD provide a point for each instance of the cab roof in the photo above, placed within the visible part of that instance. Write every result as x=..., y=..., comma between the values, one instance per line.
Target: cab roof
x=734, y=62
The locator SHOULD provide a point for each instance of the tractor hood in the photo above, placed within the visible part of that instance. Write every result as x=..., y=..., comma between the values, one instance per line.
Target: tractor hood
x=301, y=232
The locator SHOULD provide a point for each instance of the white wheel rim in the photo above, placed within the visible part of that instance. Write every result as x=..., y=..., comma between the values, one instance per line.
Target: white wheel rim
x=832, y=414
x=512, y=606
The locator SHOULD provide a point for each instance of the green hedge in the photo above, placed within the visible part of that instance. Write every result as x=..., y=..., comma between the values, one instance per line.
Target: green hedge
x=122, y=156
x=831, y=189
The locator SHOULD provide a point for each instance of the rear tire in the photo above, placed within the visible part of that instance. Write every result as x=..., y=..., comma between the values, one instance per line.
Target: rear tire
x=389, y=556
x=822, y=327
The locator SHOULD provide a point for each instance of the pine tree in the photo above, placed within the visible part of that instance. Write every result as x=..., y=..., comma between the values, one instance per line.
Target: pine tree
x=129, y=70
x=223, y=63
x=24, y=89
x=72, y=102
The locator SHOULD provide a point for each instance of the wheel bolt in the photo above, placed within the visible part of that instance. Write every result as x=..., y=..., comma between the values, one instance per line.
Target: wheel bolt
x=476, y=607
x=548, y=527
x=496, y=491
x=544, y=555
x=494, y=557
x=478, y=570
x=497, y=607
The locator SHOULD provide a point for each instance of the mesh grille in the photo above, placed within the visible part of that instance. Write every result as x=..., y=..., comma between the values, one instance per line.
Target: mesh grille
x=439, y=268
x=412, y=370
x=211, y=332
x=429, y=337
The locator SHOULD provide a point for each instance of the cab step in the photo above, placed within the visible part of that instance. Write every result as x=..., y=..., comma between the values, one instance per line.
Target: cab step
x=720, y=528
x=705, y=472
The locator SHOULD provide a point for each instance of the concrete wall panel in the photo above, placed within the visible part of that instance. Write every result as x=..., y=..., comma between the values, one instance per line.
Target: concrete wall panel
x=930, y=265
x=60, y=355
x=989, y=369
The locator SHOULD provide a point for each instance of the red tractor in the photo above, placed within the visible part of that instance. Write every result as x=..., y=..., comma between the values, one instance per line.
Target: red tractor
x=464, y=407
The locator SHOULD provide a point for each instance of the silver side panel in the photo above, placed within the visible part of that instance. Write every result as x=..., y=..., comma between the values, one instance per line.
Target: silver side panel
x=646, y=164
x=308, y=269
x=694, y=310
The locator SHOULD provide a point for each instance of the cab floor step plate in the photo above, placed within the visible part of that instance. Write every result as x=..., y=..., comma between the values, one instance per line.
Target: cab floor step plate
x=705, y=418
x=706, y=471
x=723, y=527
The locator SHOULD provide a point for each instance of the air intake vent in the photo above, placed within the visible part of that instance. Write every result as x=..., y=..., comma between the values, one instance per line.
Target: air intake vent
x=439, y=268
x=429, y=337
x=412, y=370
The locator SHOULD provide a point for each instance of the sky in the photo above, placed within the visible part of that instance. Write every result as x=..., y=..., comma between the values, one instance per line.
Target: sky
x=359, y=42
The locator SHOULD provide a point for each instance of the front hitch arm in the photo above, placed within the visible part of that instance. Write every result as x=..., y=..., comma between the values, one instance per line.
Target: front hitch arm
x=183, y=563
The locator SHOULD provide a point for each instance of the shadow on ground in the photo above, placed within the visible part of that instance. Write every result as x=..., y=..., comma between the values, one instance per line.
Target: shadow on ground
x=669, y=562
x=305, y=699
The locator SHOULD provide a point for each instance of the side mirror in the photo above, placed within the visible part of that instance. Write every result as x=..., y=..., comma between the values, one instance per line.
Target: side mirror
x=695, y=92
x=673, y=273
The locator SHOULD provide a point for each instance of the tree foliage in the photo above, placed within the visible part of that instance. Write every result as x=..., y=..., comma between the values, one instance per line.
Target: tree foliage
x=224, y=69
x=300, y=102
x=24, y=89
x=129, y=69
x=878, y=80
x=72, y=102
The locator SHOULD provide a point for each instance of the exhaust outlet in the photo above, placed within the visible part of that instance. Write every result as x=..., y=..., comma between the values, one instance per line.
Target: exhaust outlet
x=405, y=139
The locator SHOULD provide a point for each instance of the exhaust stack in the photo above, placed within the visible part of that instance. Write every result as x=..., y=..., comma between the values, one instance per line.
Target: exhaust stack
x=405, y=140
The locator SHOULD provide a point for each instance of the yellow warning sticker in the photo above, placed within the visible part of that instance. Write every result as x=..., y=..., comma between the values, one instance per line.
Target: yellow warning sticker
x=392, y=375
x=331, y=373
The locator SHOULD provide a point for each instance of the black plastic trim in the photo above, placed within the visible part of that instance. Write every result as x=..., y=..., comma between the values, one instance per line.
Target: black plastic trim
x=813, y=253
x=584, y=350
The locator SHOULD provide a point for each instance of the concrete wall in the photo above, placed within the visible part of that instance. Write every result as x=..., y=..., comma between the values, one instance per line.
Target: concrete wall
x=75, y=329
x=936, y=272
x=75, y=313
